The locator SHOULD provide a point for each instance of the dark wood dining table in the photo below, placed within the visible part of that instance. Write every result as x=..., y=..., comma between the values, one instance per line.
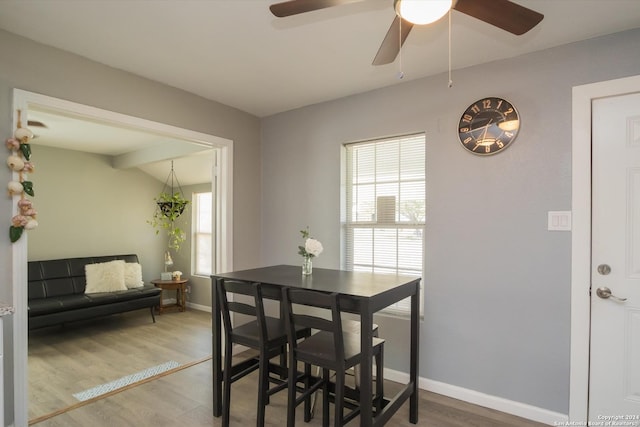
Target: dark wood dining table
x=360, y=293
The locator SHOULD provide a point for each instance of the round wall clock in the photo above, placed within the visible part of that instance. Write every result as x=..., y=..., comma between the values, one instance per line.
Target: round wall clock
x=488, y=126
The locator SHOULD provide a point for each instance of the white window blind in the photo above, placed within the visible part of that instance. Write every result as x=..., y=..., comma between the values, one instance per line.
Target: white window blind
x=386, y=208
x=202, y=234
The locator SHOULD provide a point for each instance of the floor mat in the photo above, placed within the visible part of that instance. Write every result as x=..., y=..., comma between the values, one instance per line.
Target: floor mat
x=125, y=381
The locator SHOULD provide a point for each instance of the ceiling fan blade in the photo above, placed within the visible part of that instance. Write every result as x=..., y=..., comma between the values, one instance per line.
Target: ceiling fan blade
x=503, y=14
x=392, y=42
x=295, y=7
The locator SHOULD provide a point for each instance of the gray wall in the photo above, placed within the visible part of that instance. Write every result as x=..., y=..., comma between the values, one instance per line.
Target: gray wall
x=41, y=69
x=497, y=283
x=88, y=208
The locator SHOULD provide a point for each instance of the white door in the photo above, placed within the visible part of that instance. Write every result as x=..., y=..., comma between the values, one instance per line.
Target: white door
x=614, y=382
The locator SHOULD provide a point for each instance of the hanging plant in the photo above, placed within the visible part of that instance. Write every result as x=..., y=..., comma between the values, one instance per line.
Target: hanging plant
x=169, y=208
x=170, y=204
x=19, y=161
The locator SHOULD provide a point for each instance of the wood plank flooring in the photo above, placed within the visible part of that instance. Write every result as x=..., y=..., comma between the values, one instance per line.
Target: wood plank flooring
x=63, y=361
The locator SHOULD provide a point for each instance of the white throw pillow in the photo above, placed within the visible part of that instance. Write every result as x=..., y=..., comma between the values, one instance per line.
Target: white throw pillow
x=133, y=275
x=105, y=277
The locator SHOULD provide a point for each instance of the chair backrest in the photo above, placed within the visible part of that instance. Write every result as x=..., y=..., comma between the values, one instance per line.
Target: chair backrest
x=254, y=308
x=326, y=319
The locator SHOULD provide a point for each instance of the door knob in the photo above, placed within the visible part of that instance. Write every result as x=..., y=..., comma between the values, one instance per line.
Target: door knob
x=605, y=293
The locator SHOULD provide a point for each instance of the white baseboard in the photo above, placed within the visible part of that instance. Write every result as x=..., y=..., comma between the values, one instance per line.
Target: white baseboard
x=172, y=301
x=199, y=307
x=519, y=409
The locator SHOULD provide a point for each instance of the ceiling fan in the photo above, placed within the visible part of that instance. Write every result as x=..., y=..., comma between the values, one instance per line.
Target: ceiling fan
x=503, y=14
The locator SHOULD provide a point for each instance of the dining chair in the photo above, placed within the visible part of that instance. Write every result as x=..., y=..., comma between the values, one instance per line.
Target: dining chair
x=353, y=326
x=330, y=348
x=350, y=326
x=267, y=335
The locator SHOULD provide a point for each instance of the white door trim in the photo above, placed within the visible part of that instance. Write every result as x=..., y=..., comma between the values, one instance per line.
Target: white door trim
x=224, y=182
x=581, y=235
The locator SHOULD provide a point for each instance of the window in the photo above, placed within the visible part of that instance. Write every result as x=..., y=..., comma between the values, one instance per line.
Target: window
x=385, y=208
x=202, y=234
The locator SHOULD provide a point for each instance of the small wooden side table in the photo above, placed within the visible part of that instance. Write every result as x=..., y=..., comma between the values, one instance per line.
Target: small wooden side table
x=170, y=285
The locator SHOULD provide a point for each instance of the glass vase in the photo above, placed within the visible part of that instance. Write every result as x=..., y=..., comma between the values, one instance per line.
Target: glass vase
x=307, y=266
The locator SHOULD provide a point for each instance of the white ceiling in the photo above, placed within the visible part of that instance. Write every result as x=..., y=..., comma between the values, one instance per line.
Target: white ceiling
x=126, y=147
x=237, y=53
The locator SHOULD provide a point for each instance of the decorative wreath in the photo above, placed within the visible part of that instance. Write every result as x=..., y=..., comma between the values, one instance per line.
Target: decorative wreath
x=20, y=161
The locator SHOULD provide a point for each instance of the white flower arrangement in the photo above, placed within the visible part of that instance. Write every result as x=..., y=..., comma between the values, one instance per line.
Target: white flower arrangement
x=312, y=247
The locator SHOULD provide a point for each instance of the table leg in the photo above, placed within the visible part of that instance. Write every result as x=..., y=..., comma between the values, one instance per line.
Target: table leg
x=182, y=302
x=414, y=358
x=216, y=333
x=366, y=347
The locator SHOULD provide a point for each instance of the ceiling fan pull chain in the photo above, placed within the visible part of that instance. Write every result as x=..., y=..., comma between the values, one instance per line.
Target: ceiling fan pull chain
x=450, y=80
x=400, y=72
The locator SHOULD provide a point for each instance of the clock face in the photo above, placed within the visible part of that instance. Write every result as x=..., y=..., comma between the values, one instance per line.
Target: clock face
x=488, y=126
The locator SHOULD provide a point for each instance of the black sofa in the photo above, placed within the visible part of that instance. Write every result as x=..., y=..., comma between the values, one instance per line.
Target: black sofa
x=56, y=293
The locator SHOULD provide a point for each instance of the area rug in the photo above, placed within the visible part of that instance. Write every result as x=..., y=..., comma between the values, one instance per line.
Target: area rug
x=125, y=381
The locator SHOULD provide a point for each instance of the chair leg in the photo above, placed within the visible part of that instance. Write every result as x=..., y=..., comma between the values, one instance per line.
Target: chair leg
x=380, y=379
x=291, y=393
x=326, y=377
x=263, y=387
x=283, y=360
x=226, y=382
x=307, y=400
x=314, y=399
x=339, y=398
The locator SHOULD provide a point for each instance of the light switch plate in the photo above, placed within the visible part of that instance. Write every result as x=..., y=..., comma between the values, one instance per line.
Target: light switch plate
x=559, y=221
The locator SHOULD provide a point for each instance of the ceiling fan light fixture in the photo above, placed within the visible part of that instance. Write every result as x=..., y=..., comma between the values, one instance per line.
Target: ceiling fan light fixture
x=422, y=12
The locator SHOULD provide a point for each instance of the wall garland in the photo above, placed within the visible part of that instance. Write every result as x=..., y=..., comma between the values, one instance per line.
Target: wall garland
x=20, y=161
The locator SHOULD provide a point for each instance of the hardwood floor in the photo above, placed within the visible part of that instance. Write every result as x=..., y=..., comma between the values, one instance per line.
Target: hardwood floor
x=70, y=359
x=63, y=361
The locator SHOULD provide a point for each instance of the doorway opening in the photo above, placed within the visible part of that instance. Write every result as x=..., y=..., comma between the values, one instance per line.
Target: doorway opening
x=222, y=186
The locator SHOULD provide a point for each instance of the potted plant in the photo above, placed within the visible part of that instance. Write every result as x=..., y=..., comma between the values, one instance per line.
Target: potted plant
x=169, y=208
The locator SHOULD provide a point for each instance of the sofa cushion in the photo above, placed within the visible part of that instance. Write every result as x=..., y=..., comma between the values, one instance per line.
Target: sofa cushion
x=105, y=277
x=129, y=294
x=55, y=304
x=133, y=275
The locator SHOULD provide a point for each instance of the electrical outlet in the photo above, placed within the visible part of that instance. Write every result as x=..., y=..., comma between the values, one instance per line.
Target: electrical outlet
x=188, y=290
